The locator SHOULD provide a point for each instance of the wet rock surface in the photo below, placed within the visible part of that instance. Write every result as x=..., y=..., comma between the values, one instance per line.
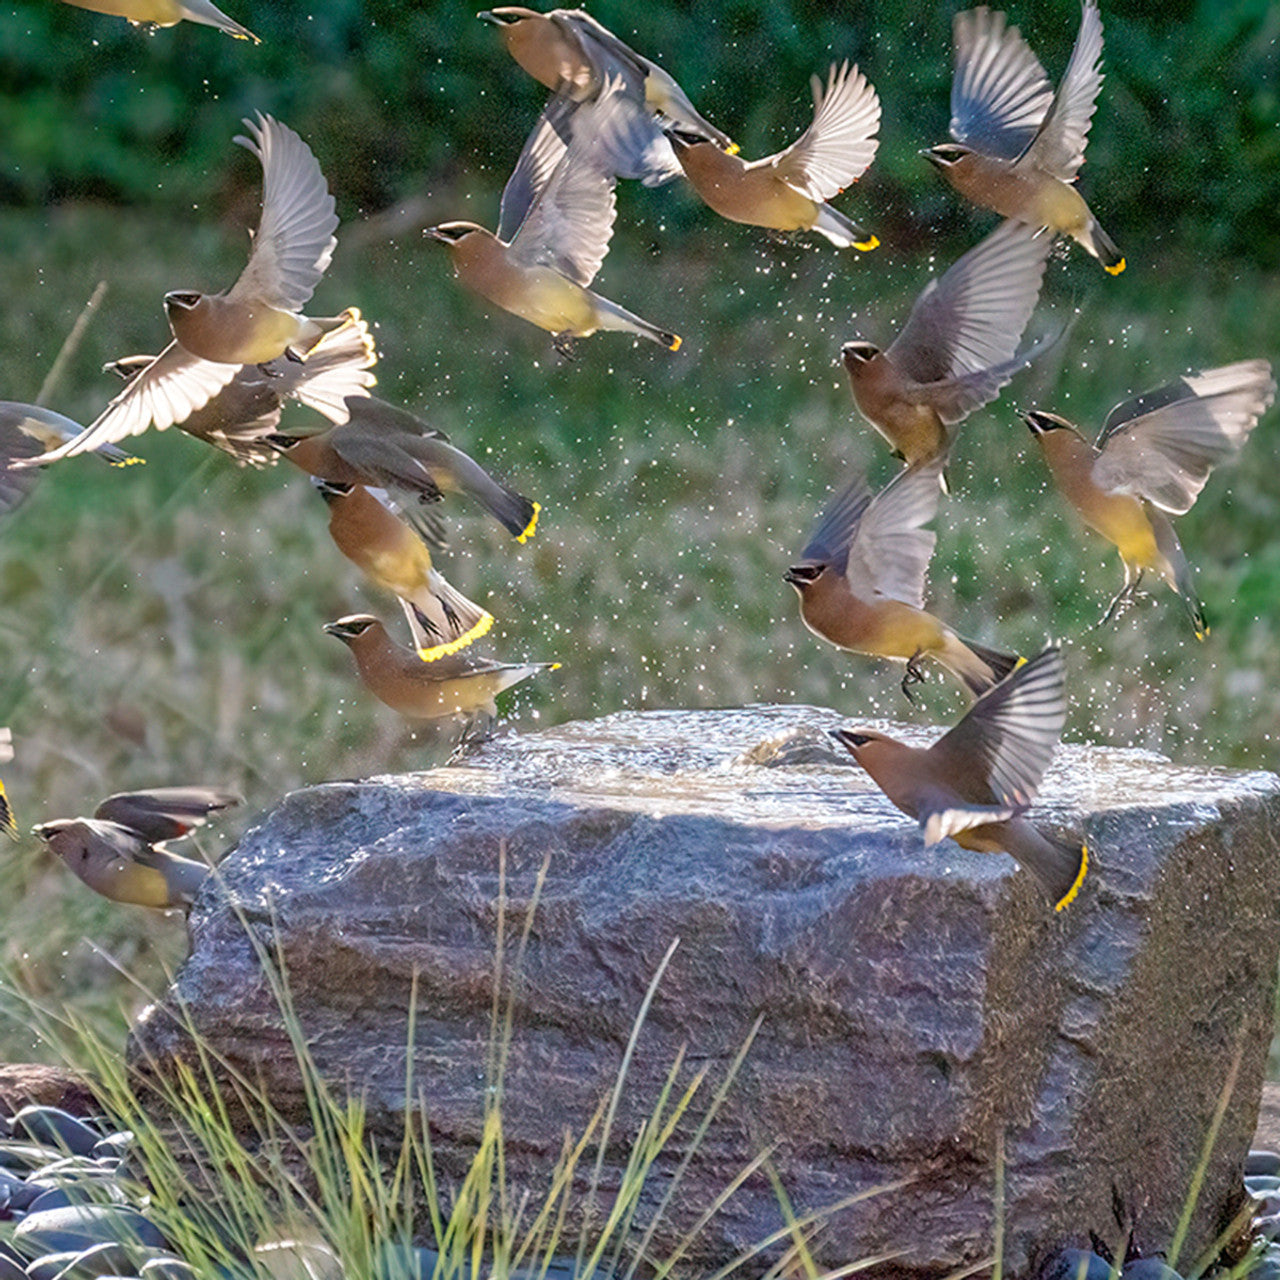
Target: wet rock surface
x=917, y=1004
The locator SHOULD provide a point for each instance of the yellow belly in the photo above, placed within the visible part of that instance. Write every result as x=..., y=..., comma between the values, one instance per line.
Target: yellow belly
x=159, y=13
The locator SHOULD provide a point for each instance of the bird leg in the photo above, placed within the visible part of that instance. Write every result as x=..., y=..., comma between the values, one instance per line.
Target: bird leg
x=1121, y=601
x=268, y=372
x=564, y=345
x=914, y=675
x=295, y=356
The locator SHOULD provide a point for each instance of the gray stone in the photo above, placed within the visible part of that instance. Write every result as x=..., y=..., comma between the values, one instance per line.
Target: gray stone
x=1261, y=1184
x=55, y=1128
x=1149, y=1269
x=1076, y=1264
x=1262, y=1164
x=168, y=1268
x=107, y=1259
x=20, y=1156
x=81, y=1226
x=9, y=1270
x=918, y=1004
x=114, y=1146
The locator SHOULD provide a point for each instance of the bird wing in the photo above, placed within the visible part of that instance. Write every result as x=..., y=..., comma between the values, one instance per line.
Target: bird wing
x=972, y=316
x=1163, y=444
x=570, y=221
x=999, y=751
x=940, y=817
x=172, y=387
x=956, y=398
x=164, y=813
x=1000, y=94
x=840, y=143
x=838, y=525
x=1058, y=146
x=15, y=443
x=385, y=459
x=294, y=241
x=336, y=368
x=890, y=550
x=543, y=150
x=602, y=51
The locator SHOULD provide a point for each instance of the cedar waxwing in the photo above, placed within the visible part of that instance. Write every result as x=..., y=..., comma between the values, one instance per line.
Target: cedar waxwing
x=861, y=581
x=460, y=684
x=394, y=556
x=1018, y=145
x=553, y=235
x=259, y=317
x=974, y=783
x=119, y=854
x=165, y=813
x=385, y=447
x=788, y=191
x=571, y=53
x=234, y=416
x=167, y=13
x=1153, y=456
x=122, y=865
x=7, y=821
x=958, y=346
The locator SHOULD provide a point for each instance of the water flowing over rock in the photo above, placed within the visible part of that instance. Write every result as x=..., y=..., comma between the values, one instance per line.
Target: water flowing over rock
x=918, y=1005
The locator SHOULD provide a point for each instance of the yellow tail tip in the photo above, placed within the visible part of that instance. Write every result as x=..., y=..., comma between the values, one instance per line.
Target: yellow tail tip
x=732, y=149
x=676, y=340
x=1069, y=897
x=1115, y=269
x=554, y=666
x=7, y=820
x=453, y=646
x=531, y=526
x=1021, y=662
x=130, y=461
x=867, y=245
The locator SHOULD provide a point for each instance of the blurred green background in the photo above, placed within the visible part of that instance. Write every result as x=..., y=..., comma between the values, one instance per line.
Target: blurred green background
x=162, y=623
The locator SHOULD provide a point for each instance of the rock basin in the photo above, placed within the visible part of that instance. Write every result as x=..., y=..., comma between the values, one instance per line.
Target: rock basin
x=918, y=1006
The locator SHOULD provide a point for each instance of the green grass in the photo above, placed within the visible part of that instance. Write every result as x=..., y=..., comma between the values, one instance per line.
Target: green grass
x=162, y=623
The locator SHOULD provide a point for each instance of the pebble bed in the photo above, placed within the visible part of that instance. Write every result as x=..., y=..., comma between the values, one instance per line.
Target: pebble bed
x=70, y=1209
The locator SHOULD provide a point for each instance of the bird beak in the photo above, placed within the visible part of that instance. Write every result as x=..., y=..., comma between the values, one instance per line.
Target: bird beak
x=487, y=15
x=1036, y=422
x=334, y=629
x=927, y=152
x=43, y=831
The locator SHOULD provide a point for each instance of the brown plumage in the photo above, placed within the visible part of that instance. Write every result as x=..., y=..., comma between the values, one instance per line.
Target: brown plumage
x=385, y=447
x=861, y=581
x=957, y=349
x=391, y=554
x=788, y=191
x=460, y=684
x=974, y=783
x=1018, y=145
x=1151, y=460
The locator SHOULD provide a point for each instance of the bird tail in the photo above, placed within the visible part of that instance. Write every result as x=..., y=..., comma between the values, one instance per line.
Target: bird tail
x=613, y=317
x=1178, y=571
x=7, y=821
x=1059, y=865
x=335, y=368
x=841, y=232
x=1098, y=243
x=212, y=16
x=977, y=666
x=454, y=469
x=443, y=620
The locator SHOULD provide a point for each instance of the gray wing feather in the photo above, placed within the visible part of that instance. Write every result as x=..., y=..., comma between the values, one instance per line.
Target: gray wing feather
x=570, y=222
x=1004, y=743
x=890, y=552
x=1000, y=94
x=294, y=241
x=1163, y=444
x=972, y=317
x=543, y=150
x=1058, y=147
x=839, y=145
x=838, y=525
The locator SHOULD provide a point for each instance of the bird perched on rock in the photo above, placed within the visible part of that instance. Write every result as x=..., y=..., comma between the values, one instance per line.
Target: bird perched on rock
x=1018, y=145
x=119, y=852
x=168, y=13
x=861, y=581
x=788, y=191
x=570, y=52
x=1153, y=456
x=383, y=446
x=376, y=540
x=554, y=232
x=976, y=781
x=957, y=348
x=258, y=319
x=460, y=684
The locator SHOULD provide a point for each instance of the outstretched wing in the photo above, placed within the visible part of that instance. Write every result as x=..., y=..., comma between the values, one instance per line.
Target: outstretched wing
x=890, y=550
x=294, y=241
x=1058, y=147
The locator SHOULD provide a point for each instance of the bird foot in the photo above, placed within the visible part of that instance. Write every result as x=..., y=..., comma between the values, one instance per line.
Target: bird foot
x=564, y=345
x=268, y=372
x=914, y=675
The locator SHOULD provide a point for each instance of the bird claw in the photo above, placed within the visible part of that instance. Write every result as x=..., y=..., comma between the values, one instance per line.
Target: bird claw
x=564, y=345
x=913, y=675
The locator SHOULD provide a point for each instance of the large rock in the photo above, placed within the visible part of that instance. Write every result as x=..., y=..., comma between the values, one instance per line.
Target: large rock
x=917, y=1004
